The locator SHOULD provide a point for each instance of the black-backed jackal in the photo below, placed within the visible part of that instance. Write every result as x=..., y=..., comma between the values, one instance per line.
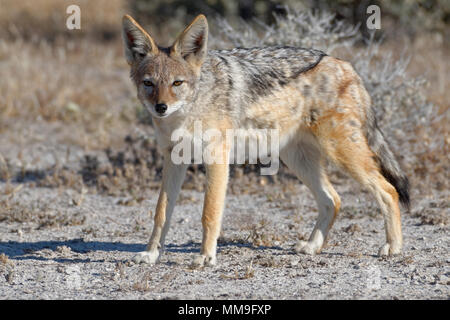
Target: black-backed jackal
x=317, y=102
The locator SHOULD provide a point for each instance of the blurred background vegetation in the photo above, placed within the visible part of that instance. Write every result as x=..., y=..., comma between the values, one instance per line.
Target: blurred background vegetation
x=37, y=19
x=67, y=104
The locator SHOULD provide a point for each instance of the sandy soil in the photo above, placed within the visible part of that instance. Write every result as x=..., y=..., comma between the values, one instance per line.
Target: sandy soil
x=56, y=246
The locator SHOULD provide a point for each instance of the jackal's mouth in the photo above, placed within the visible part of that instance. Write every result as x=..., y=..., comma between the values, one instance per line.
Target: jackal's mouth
x=161, y=116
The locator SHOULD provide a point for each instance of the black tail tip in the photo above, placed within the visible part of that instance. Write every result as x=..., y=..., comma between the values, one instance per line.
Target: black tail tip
x=402, y=187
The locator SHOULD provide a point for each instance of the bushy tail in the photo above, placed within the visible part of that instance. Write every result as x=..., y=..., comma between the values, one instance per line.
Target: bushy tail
x=389, y=166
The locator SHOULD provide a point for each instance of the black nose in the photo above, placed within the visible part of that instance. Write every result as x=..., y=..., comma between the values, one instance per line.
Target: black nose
x=161, y=108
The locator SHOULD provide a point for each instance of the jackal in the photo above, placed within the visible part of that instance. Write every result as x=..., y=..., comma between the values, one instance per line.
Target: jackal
x=317, y=102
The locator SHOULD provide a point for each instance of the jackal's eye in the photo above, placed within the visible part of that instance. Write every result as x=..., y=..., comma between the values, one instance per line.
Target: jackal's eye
x=147, y=83
x=177, y=83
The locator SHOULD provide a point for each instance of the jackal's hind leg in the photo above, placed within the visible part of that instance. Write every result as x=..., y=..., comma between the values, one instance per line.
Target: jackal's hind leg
x=387, y=198
x=304, y=159
x=352, y=153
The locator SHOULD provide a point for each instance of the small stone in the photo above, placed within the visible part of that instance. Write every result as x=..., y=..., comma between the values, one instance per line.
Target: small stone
x=63, y=249
x=294, y=262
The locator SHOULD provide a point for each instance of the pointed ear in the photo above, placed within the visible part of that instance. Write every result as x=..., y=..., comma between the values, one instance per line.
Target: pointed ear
x=192, y=43
x=138, y=43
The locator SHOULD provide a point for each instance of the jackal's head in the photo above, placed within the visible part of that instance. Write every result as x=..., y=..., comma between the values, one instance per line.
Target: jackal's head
x=166, y=78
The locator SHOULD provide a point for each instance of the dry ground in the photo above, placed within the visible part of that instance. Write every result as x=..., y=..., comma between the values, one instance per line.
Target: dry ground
x=55, y=246
x=79, y=176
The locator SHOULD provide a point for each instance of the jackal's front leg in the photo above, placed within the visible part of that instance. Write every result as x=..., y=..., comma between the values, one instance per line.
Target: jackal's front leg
x=173, y=176
x=216, y=187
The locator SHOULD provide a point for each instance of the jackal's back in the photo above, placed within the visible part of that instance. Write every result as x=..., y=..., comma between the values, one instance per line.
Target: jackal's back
x=248, y=74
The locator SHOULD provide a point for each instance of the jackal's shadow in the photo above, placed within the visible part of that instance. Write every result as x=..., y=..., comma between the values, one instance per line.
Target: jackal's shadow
x=31, y=250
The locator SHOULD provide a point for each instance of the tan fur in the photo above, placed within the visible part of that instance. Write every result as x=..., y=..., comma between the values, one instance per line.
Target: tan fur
x=216, y=187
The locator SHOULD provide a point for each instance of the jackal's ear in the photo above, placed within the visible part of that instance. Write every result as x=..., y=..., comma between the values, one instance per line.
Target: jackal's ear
x=138, y=43
x=192, y=43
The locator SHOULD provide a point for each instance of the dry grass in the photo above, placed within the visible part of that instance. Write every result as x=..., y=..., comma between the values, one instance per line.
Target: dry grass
x=4, y=260
x=39, y=213
x=352, y=228
x=143, y=284
x=37, y=19
x=433, y=211
x=71, y=78
x=261, y=233
x=247, y=273
x=7, y=268
x=82, y=85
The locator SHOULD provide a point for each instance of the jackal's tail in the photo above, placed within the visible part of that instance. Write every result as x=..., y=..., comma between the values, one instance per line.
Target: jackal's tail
x=389, y=166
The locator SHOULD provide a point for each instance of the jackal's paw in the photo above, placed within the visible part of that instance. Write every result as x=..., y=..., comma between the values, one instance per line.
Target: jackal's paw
x=148, y=257
x=203, y=260
x=305, y=247
x=388, y=250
